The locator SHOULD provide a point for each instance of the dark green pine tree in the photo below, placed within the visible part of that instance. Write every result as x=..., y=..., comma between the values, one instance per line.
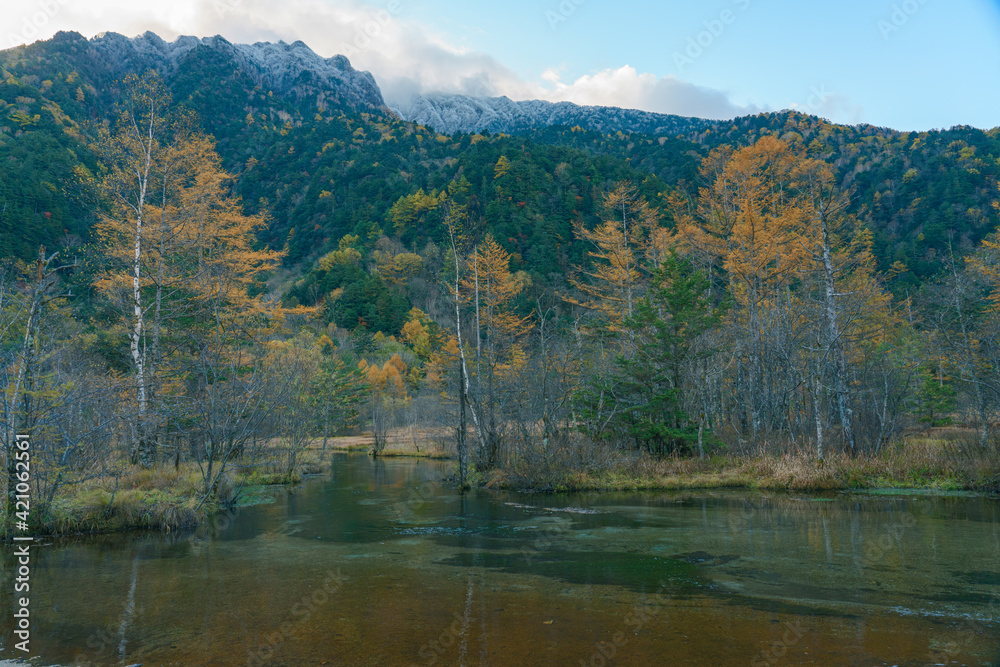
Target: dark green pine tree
x=336, y=394
x=662, y=370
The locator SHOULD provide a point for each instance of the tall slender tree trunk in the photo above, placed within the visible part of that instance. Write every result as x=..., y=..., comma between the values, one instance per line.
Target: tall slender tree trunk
x=479, y=328
x=836, y=346
x=462, y=449
x=818, y=414
x=135, y=344
x=155, y=359
x=145, y=453
x=703, y=412
x=462, y=384
x=756, y=389
x=544, y=353
x=27, y=356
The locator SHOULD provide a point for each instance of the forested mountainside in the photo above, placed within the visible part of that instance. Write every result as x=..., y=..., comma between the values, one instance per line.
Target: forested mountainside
x=311, y=141
x=57, y=93
x=922, y=194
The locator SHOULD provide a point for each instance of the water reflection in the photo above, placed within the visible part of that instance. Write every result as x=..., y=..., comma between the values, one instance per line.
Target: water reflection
x=383, y=563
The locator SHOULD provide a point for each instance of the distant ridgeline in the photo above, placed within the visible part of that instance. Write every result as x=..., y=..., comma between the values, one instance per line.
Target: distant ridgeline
x=311, y=141
x=453, y=114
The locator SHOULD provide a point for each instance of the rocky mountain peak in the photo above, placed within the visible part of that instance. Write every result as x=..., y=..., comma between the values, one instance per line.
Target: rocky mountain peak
x=288, y=69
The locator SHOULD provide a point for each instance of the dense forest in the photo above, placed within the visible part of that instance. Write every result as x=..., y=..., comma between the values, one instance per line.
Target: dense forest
x=199, y=272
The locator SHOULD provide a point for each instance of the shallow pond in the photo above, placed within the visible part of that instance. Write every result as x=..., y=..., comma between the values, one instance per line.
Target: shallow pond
x=383, y=563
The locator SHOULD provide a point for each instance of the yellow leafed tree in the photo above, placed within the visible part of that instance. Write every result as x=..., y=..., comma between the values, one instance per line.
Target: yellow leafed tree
x=802, y=279
x=182, y=261
x=629, y=235
x=491, y=287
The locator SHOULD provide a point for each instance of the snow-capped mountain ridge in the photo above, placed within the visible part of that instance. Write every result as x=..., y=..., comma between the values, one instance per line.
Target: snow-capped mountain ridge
x=288, y=69
x=296, y=71
x=460, y=113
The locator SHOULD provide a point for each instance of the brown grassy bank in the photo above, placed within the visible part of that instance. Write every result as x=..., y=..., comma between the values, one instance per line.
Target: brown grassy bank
x=406, y=442
x=164, y=498
x=918, y=462
x=169, y=498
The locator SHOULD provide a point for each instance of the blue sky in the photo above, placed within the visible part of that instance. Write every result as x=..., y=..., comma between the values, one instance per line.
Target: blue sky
x=907, y=64
x=929, y=64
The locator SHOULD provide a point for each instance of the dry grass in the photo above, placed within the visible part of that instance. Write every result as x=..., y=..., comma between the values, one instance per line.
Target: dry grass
x=927, y=462
x=163, y=498
x=160, y=499
x=407, y=441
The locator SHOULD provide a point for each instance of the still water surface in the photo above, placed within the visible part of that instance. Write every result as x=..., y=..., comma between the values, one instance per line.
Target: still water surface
x=382, y=563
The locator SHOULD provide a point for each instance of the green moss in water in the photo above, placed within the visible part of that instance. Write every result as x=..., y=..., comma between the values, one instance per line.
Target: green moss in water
x=643, y=573
x=255, y=495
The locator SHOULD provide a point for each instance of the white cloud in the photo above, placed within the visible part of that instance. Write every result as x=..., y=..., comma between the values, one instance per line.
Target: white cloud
x=406, y=57
x=626, y=87
x=551, y=75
